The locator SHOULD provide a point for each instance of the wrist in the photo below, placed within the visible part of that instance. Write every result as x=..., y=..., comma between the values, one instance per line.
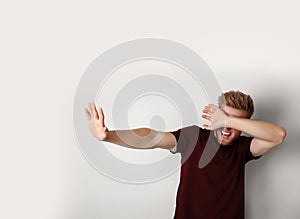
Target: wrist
x=104, y=135
x=228, y=121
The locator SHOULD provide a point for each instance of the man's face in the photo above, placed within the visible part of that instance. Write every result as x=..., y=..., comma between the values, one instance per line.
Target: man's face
x=226, y=136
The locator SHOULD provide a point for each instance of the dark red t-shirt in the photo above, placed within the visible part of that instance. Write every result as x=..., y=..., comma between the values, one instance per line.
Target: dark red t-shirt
x=215, y=191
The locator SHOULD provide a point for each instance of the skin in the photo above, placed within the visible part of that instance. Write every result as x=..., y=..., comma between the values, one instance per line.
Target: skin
x=141, y=138
x=266, y=135
x=227, y=123
x=225, y=135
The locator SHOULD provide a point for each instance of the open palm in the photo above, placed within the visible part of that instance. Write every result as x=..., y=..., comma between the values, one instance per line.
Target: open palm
x=96, y=121
x=215, y=115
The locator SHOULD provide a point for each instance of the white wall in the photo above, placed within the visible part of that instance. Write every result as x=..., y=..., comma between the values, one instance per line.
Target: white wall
x=47, y=46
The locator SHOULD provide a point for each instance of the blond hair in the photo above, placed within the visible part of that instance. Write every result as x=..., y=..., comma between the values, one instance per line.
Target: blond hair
x=237, y=100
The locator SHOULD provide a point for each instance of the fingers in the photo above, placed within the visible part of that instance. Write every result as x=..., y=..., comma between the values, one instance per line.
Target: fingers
x=208, y=117
x=207, y=114
x=92, y=108
x=91, y=112
x=206, y=111
x=101, y=116
x=215, y=115
x=87, y=113
x=208, y=127
x=210, y=108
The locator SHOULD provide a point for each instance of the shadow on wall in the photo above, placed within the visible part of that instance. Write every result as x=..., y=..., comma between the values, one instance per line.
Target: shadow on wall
x=271, y=181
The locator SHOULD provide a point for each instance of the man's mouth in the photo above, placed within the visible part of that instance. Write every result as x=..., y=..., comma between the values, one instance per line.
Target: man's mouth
x=225, y=134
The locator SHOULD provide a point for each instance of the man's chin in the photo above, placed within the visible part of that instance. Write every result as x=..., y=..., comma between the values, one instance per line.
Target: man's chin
x=221, y=140
x=225, y=143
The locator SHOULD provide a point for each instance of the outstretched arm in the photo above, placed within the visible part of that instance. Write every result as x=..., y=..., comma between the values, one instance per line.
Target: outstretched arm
x=142, y=138
x=266, y=135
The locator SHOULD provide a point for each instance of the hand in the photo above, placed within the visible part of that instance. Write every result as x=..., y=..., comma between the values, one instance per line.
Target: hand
x=96, y=121
x=215, y=115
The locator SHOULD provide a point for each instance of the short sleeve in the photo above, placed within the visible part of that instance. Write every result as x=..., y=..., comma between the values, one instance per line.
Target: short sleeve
x=247, y=153
x=186, y=139
x=180, y=147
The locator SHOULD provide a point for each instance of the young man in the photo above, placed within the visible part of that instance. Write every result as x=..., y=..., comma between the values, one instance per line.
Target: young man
x=217, y=189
